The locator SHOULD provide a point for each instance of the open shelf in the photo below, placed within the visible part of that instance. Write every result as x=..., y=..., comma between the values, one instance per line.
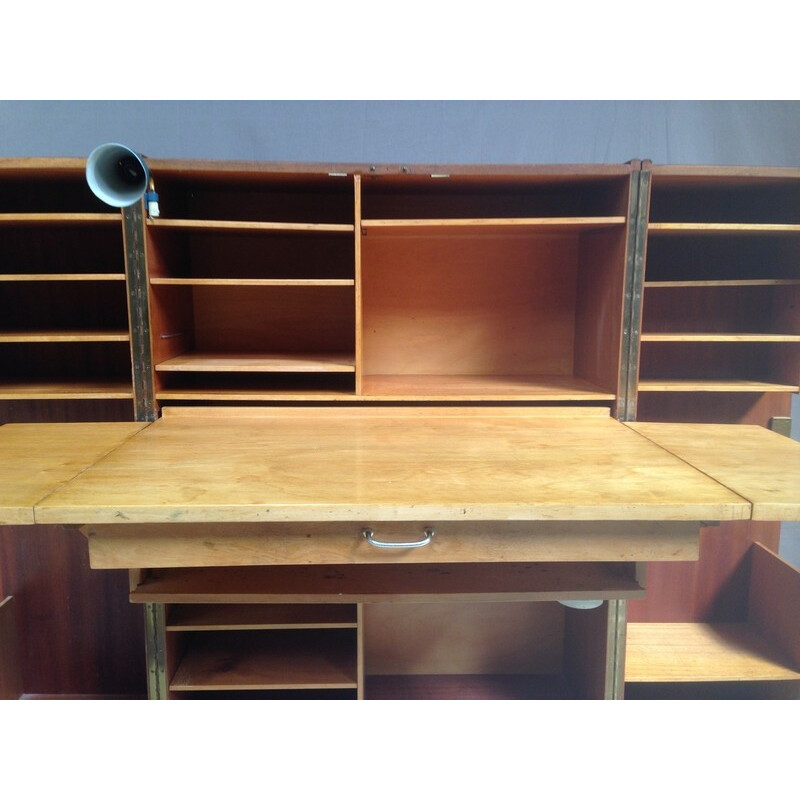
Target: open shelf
x=258, y=362
x=699, y=385
x=248, y=227
x=61, y=219
x=676, y=336
x=58, y=276
x=286, y=659
x=63, y=336
x=487, y=226
x=271, y=282
x=364, y=582
x=200, y=617
x=690, y=652
x=65, y=390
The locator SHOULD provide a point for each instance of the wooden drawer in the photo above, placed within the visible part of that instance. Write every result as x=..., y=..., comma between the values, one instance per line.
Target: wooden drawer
x=254, y=544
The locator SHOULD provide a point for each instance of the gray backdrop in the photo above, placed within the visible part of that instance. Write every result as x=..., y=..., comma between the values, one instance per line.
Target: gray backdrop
x=750, y=133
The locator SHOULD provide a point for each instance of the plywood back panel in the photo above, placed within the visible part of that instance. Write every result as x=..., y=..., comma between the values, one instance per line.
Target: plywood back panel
x=466, y=305
x=463, y=638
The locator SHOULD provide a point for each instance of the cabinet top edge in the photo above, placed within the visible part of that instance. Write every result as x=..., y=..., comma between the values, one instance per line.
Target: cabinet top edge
x=678, y=172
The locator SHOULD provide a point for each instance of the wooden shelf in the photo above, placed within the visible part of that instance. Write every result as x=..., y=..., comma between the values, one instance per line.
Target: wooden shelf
x=257, y=362
x=275, y=660
x=547, y=388
x=687, y=652
x=65, y=390
x=200, y=617
x=675, y=385
x=254, y=395
x=720, y=337
x=232, y=226
x=274, y=282
x=715, y=228
x=392, y=227
x=61, y=219
x=63, y=336
x=722, y=284
x=62, y=276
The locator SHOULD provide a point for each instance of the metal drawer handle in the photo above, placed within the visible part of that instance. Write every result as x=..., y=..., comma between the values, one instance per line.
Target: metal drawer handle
x=369, y=535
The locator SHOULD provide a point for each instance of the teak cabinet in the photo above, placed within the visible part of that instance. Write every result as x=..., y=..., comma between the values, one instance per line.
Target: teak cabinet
x=497, y=373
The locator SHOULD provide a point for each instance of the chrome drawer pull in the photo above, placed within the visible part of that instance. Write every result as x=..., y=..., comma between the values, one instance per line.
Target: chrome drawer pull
x=369, y=535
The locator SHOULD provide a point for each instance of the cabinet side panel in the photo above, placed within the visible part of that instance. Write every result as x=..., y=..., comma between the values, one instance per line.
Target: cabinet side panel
x=78, y=632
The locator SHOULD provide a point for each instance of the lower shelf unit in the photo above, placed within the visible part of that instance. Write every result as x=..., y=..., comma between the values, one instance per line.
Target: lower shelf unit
x=504, y=641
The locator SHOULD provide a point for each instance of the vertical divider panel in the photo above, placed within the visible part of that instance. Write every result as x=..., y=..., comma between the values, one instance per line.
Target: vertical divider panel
x=640, y=207
x=359, y=361
x=360, y=651
x=144, y=406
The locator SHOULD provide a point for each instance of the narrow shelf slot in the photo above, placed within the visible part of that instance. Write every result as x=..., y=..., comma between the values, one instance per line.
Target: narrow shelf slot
x=355, y=583
x=268, y=660
x=554, y=388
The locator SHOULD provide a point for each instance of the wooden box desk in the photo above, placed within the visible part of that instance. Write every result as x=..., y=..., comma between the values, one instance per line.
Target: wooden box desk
x=248, y=525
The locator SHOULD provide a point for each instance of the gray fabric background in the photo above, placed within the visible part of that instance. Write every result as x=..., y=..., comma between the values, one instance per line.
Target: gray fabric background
x=749, y=133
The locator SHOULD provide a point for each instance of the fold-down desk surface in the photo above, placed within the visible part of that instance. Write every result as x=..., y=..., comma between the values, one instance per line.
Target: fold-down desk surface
x=326, y=464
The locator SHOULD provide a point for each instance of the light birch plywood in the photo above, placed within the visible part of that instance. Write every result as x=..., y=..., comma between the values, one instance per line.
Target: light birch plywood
x=251, y=544
x=693, y=651
x=756, y=463
x=323, y=464
x=36, y=458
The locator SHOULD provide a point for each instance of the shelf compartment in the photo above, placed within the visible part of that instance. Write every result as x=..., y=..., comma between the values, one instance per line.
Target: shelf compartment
x=492, y=314
x=412, y=582
x=258, y=362
x=201, y=617
x=560, y=192
x=201, y=253
x=247, y=193
x=256, y=386
x=724, y=196
x=689, y=652
x=231, y=660
x=545, y=388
